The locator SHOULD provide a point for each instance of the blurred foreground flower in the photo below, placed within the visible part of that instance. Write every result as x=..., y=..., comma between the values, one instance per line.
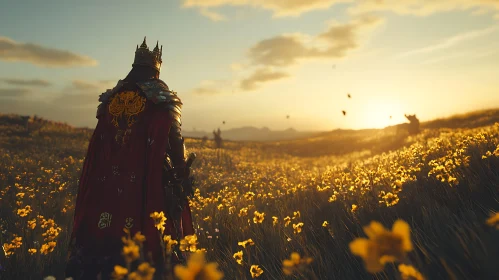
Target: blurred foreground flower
x=408, y=272
x=131, y=250
x=493, y=220
x=295, y=263
x=143, y=272
x=119, y=272
x=198, y=269
x=383, y=246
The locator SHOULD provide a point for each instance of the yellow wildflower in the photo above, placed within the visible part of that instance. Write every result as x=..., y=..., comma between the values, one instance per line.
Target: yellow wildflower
x=131, y=251
x=239, y=257
x=243, y=212
x=296, y=214
x=297, y=227
x=295, y=263
x=32, y=251
x=496, y=152
x=493, y=221
x=119, y=272
x=197, y=268
x=138, y=237
x=287, y=220
x=169, y=242
x=246, y=242
x=259, y=217
x=274, y=220
x=47, y=247
x=159, y=220
x=25, y=211
x=255, y=271
x=144, y=272
x=325, y=224
x=383, y=245
x=188, y=243
x=32, y=224
x=408, y=272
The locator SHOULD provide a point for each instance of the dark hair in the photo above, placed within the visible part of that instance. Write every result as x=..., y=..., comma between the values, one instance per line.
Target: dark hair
x=140, y=73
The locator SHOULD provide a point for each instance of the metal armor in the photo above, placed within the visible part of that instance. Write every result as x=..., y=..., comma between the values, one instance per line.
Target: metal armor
x=158, y=92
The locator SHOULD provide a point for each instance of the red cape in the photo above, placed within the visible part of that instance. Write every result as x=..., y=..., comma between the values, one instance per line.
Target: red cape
x=121, y=185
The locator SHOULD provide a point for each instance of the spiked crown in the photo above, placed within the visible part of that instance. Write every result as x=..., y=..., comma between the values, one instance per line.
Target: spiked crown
x=145, y=57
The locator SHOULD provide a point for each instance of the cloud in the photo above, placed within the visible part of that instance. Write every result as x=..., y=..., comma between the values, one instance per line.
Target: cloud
x=268, y=60
x=452, y=41
x=335, y=42
x=287, y=50
x=262, y=75
x=279, y=8
x=282, y=8
x=423, y=7
x=214, y=16
x=14, y=92
x=23, y=82
x=212, y=87
x=13, y=51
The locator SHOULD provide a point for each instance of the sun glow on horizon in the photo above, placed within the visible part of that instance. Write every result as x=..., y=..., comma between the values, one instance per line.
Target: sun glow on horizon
x=382, y=113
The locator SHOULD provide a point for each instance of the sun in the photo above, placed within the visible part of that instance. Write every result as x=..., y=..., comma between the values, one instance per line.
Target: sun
x=383, y=113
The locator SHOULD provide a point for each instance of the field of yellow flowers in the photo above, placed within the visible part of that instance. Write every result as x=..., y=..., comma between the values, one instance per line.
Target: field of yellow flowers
x=424, y=211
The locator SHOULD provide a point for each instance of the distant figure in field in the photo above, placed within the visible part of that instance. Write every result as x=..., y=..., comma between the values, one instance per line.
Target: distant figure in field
x=413, y=124
x=217, y=136
x=121, y=182
x=412, y=127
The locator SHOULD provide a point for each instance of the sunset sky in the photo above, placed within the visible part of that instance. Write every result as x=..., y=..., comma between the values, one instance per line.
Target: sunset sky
x=252, y=62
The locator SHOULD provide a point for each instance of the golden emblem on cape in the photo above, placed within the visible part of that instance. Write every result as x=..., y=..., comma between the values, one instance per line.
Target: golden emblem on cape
x=127, y=104
x=128, y=223
x=105, y=220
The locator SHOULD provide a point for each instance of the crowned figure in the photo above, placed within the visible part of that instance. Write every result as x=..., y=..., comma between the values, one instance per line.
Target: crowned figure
x=123, y=180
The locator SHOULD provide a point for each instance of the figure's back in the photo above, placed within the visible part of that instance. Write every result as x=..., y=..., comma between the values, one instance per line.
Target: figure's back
x=121, y=180
x=123, y=173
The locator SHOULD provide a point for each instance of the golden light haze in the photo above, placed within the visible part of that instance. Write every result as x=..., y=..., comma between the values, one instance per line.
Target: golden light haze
x=253, y=62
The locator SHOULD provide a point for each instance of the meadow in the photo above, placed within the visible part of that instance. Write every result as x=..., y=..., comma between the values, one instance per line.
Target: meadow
x=443, y=182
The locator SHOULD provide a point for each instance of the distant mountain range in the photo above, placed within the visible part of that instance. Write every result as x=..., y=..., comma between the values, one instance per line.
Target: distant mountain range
x=250, y=133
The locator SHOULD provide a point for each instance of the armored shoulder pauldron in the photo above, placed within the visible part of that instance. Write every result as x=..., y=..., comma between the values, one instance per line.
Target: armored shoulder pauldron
x=159, y=93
